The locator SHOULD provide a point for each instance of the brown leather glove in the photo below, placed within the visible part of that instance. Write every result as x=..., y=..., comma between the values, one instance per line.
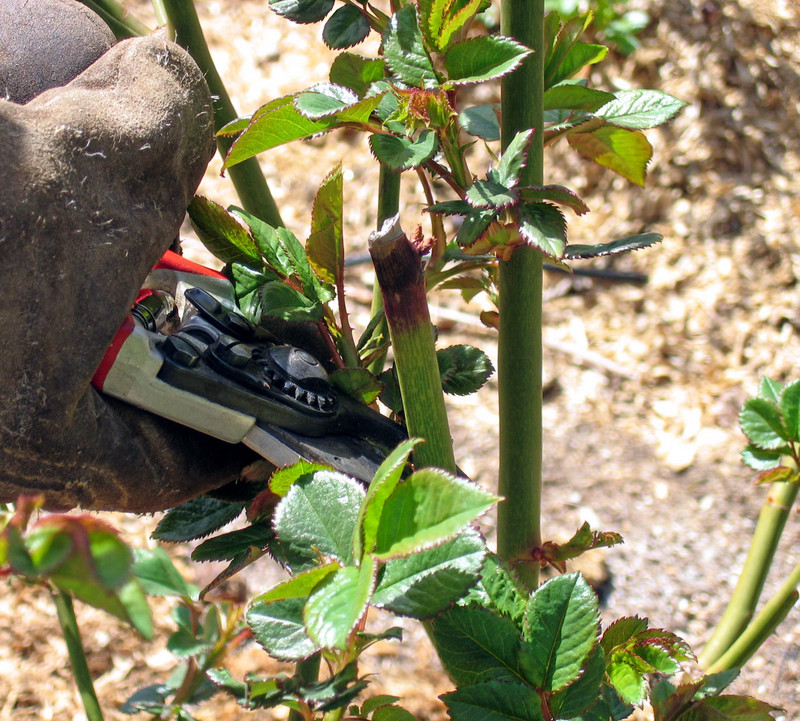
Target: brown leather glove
x=98, y=174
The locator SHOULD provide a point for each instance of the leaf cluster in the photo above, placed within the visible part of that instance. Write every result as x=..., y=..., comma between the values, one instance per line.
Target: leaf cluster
x=771, y=422
x=404, y=545
x=407, y=100
x=612, y=22
x=205, y=631
x=703, y=699
x=79, y=555
x=544, y=657
x=275, y=275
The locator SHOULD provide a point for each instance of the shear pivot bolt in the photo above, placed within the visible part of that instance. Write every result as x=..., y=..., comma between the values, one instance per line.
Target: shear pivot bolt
x=179, y=351
x=235, y=354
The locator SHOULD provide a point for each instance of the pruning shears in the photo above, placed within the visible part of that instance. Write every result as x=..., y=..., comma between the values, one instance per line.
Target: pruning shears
x=187, y=354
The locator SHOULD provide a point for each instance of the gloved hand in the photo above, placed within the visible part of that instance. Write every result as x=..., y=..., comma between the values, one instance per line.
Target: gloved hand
x=98, y=174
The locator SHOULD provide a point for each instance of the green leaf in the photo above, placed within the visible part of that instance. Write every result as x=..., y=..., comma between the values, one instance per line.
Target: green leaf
x=762, y=460
x=500, y=590
x=780, y=474
x=464, y=369
x=579, y=56
x=239, y=562
x=543, y=226
x=425, y=583
x=474, y=226
x=458, y=15
x=730, y=708
x=790, y=410
x=383, y=485
x=150, y=698
x=323, y=100
x=609, y=707
x=657, y=657
x=513, y=160
x=282, y=480
x=229, y=545
x=562, y=623
x=556, y=194
x=325, y=245
x=279, y=122
x=287, y=256
x=401, y=153
x=574, y=96
x=334, y=692
x=236, y=126
x=770, y=389
x=14, y=554
x=626, y=152
x=224, y=680
x=356, y=72
x=389, y=105
x=393, y=633
x=451, y=207
x=185, y=645
x=476, y=645
x=393, y=713
x=280, y=300
x=627, y=677
x=277, y=250
x=247, y=285
x=572, y=700
x=60, y=544
x=334, y=608
x=488, y=194
x=761, y=422
x=621, y=631
x=300, y=585
x=640, y=109
x=614, y=247
x=404, y=50
x=137, y=609
x=428, y=508
x=714, y=684
x=431, y=18
x=302, y=11
x=317, y=518
x=346, y=27
x=494, y=701
x=221, y=233
x=483, y=58
x=441, y=19
x=673, y=644
x=480, y=121
x=195, y=519
x=584, y=539
x=85, y=558
x=278, y=627
x=375, y=702
x=158, y=576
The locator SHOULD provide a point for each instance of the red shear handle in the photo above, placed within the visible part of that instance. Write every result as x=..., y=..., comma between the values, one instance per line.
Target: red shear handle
x=172, y=261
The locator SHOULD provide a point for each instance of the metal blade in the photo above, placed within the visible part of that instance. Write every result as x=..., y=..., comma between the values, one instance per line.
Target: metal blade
x=347, y=454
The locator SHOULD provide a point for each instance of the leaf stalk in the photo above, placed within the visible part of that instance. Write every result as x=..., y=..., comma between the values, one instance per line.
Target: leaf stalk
x=247, y=178
x=77, y=655
x=762, y=626
x=744, y=599
x=117, y=17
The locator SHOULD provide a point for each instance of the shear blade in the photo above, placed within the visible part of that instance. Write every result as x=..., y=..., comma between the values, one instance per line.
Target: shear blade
x=347, y=454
